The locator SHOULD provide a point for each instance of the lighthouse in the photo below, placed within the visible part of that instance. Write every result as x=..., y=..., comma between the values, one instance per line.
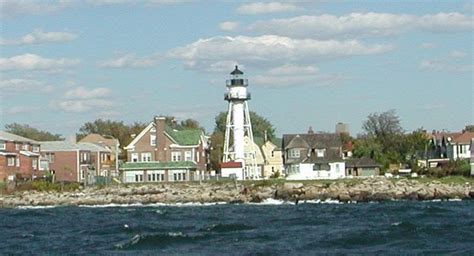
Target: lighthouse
x=239, y=158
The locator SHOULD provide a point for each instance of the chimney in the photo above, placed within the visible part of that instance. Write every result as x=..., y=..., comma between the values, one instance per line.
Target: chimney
x=265, y=136
x=310, y=130
x=160, y=123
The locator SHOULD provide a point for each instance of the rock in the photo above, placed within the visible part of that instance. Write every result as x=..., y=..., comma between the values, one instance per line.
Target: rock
x=291, y=186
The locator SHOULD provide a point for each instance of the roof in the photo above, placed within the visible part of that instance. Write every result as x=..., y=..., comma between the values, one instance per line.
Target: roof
x=99, y=139
x=463, y=138
x=92, y=147
x=230, y=165
x=157, y=165
x=13, y=137
x=58, y=146
x=311, y=140
x=28, y=153
x=187, y=137
x=236, y=71
x=362, y=162
x=260, y=141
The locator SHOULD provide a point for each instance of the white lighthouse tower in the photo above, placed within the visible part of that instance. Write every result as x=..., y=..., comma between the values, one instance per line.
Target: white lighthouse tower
x=240, y=159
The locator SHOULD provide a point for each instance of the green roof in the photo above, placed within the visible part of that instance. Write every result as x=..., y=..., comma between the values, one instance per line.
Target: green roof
x=157, y=165
x=187, y=137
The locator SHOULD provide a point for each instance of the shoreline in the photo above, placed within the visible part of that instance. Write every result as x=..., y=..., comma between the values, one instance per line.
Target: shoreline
x=168, y=194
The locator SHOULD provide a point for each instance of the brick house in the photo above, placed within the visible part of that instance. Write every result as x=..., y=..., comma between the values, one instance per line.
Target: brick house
x=75, y=162
x=161, y=153
x=313, y=156
x=109, y=143
x=19, y=156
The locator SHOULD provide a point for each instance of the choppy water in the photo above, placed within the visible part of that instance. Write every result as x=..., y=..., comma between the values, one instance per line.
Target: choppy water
x=374, y=228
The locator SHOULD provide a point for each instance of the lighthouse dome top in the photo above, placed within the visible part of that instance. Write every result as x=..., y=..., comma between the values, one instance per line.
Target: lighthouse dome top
x=236, y=71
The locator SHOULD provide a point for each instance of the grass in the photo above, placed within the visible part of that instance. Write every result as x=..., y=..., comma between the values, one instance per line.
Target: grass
x=461, y=180
x=3, y=185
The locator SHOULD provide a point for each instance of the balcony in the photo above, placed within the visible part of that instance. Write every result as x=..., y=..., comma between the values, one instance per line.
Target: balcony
x=235, y=96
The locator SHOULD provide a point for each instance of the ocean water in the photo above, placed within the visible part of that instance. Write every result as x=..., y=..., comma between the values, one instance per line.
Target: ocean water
x=442, y=227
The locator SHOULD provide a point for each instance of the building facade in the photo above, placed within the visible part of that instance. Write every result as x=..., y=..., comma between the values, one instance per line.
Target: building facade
x=19, y=156
x=161, y=150
x=313, y=156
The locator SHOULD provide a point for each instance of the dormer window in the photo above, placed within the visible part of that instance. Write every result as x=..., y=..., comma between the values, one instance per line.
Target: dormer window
x=3, y=145
x=320, y=152
x=294, y=153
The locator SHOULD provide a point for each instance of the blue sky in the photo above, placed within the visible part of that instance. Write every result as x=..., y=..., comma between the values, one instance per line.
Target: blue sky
x=309, y=63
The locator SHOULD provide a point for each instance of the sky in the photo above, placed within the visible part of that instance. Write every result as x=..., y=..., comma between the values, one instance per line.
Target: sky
x=309, y=63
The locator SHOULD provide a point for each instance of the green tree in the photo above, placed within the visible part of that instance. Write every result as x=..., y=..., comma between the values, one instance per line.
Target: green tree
x=27, y=131
x=469, y=128
x=385, y=129
x=115, y=129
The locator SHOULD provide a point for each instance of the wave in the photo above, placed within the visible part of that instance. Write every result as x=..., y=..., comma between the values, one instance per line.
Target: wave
x=155, y=241
x=222, y=228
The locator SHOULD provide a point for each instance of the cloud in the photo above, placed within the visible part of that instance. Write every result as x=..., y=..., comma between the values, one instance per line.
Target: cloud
x=456, y=54
x=86, y=93
x=454, y=61
x=264, y=8
x=24, y=85
x=38, y=37
x=362, y=24
x=81, y=99
x=228, y=25
x=22, y=110
x=30, y=61
x=134, y=2
x=268, y=49
x=14, y=8
x=130, y=61
x=290, y=75
x=427, y=46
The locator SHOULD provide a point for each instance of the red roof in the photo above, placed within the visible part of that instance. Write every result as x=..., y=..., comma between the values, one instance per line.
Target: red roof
x=231, y=165
x=464, y=138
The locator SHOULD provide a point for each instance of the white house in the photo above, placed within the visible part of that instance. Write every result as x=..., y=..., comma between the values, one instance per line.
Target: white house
x=313, y=156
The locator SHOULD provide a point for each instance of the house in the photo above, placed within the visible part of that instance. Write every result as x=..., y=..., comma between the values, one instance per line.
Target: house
x=161, y=153
x=19, y=156
x=313, y=156
x=363, y=166
x=75, y=162
x=446, y=146
x=461, y=145
x=272, y=156
x=472, y=157
x=108, y=142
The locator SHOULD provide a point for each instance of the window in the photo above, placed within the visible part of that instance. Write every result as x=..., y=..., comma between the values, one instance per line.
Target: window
x=175, y=156
x=11, y=161
x=188, y=156
x=17, y=162
x=50, y=157
x=153, y=140
x=3, y=145
x=134, y=157
x=293, y=153
x=25, y=147
x=36, y=148
x=82, y=174
x=320, y=152
x=295, y=168
x=273, y=153
x=138, y=177
x=146, y=157
x=34, y=163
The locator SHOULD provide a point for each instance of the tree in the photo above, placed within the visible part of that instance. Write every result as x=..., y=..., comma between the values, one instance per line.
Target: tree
x=385, y=129
x=29, y=132
x=116, y=129
x=469, y=128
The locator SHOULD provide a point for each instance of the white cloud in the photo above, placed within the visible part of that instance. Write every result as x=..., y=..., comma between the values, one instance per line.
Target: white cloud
x=83, y=99
x=362, y=24
x=27, y=7
x=427, y=46
x=130, y=61
x=22, y=110
x=24, y=85
x=86, y=93
x=38, y=37
x=268, y=49
x=134, y=2
x=30, y=61
x=440, y=65
x=456, y=54
x=228, y=25
x=290, y=75
x=264, y=8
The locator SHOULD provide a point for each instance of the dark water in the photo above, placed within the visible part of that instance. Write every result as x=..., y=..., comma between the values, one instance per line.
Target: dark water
x=303, y=229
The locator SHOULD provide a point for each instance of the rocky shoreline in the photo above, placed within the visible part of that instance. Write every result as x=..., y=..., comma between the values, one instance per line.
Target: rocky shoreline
x=373, y=189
